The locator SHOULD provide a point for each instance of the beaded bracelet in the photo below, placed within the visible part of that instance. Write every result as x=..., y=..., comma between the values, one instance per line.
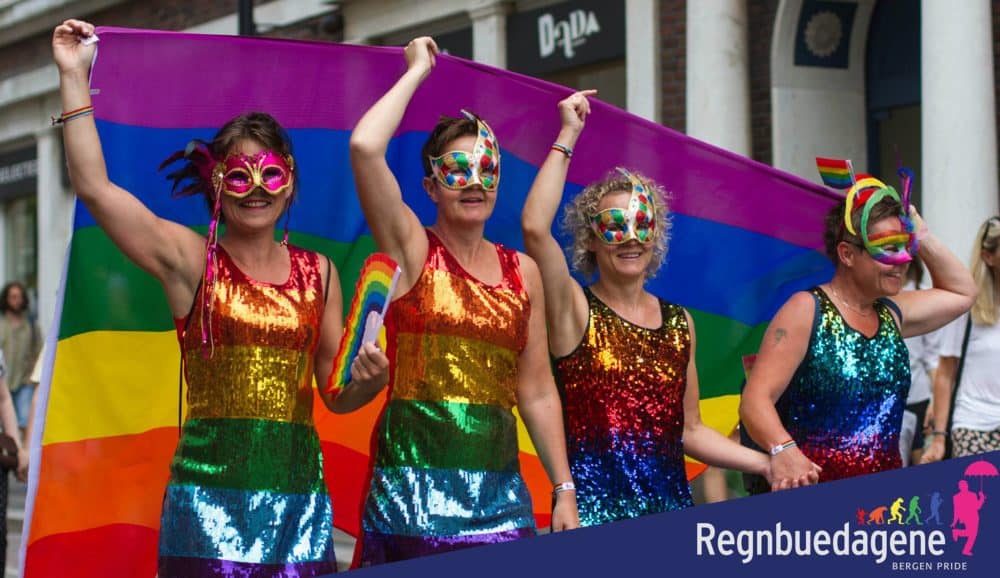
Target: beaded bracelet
x=73, y=114
x=563, y=149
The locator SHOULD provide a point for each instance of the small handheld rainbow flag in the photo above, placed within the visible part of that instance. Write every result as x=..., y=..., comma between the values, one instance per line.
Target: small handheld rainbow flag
x=372, y=295
x=836, y=173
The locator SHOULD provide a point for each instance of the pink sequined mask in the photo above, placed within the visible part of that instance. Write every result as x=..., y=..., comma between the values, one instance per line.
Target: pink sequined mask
x=238, y=175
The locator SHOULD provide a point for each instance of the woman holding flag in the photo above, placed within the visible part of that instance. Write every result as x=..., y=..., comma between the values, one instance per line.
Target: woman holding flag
x=624, y=359
x=257, y=319
x=467, y=336
x=827, y=391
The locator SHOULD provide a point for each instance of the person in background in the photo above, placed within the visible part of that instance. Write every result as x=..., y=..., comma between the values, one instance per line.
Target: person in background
x=923, y=361
x=975, y=427
x=12, y=432
x=21, y=340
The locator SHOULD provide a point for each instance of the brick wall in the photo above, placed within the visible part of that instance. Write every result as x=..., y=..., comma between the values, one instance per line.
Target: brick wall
x=760, y=24
x=673, y=28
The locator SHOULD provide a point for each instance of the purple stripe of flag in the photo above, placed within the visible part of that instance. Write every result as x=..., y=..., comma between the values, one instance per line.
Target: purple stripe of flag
x=324, y=85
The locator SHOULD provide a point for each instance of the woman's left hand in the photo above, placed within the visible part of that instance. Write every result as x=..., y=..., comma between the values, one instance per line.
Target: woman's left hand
x=370, y=369
x=920, y=230
x=564, y=513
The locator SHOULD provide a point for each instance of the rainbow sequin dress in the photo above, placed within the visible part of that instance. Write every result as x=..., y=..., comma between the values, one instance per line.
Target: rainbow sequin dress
x=246, y=495
x=844, y=405
x=623, y=397
x=445, y=471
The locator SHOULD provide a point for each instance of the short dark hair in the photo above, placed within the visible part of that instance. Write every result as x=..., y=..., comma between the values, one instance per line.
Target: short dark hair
x=257, y=126
x=834, y=230
x=446, y=130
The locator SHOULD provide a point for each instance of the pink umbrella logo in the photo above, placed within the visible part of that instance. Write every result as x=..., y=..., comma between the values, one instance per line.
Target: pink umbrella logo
x=981, y=469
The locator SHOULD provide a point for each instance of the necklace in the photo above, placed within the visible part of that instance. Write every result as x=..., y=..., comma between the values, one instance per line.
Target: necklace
x=857, y=310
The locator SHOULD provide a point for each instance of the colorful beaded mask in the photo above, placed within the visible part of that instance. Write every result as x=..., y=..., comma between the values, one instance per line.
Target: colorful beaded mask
x=459, y=169
x=616, y=226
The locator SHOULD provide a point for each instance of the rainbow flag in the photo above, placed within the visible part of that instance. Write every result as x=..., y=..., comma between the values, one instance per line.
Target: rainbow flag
x=745, y=236
x=376, y=282
x=836, y=173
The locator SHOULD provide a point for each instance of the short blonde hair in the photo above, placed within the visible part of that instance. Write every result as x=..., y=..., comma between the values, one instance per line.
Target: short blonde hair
x=984, y=309
x=576, y=220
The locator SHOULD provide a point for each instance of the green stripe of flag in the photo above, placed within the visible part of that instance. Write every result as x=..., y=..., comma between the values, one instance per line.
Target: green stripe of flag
x=107, y=292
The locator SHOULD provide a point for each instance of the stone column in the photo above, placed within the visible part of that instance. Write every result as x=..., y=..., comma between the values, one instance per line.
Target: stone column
x=489, y=34
x=958, y=116
x=718, y=80
x=642, y=58
x=55, y=209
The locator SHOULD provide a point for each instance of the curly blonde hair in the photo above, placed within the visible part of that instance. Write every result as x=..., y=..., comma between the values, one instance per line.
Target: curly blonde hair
x=576, y=221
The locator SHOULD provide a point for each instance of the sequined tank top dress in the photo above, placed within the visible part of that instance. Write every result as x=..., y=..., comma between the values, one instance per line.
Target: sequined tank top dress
x=623, y=399
x=844, y=404
x=246, y=495
x=446, y=473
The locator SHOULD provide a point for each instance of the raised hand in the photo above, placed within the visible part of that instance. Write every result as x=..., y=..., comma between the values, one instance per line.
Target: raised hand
x=68, y=49
x=573, y=110
x=421, y=54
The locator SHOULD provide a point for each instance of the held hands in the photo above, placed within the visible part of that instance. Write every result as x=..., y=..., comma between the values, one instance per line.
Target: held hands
x=792, y=469
x=68, y=49
x=370, y=369
x=421, y=55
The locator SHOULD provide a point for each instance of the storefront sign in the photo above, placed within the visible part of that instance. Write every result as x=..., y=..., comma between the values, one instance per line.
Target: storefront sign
x=18, y=172
x=565, y=35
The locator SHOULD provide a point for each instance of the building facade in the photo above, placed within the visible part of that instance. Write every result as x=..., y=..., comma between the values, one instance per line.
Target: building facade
x=780, y=81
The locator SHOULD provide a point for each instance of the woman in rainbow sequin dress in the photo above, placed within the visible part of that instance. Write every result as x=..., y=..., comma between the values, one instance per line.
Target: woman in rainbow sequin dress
x=256, y=320
x=623, y=358
x=466, y=342
x=829, y=386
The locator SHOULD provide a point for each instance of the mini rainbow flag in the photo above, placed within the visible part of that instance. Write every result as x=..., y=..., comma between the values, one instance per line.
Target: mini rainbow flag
x=372, y=294
x=836, y=173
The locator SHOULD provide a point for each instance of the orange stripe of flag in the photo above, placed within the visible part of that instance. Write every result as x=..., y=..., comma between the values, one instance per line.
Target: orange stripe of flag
x=96, y=482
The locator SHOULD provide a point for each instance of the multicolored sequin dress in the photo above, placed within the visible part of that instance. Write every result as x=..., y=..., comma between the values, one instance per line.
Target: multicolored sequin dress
x=844, y=405
x=623, y=399
x=246, y=495
x=446, y=473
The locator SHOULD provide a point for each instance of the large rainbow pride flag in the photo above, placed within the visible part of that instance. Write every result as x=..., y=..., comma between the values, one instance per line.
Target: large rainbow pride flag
x=745, y=237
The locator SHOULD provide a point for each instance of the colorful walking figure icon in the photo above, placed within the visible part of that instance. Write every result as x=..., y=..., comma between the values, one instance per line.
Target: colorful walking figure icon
x=914, y=511
x=967, y=505
x=936, y=501
x=896, y=512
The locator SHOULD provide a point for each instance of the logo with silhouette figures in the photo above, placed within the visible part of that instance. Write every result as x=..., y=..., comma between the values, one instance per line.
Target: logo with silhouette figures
x=966, y=507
